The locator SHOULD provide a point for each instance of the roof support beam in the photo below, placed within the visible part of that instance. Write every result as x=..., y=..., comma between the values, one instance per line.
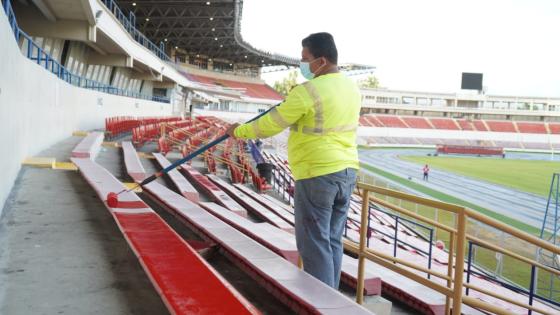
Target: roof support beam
x=44, y=8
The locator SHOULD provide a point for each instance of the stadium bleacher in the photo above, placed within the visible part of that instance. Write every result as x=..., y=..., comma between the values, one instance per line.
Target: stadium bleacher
x=554, y=128
x=466, y=124
x=372, y=121
x=444, y=123
x=254, y=90
x=393, y=121
x=449, y=124
x=417, y=122
x=531, y=127
x=480, y=125
x=177, y=236
x=501, y=126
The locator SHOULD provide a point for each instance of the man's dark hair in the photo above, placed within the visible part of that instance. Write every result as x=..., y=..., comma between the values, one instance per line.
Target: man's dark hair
x=321, y=45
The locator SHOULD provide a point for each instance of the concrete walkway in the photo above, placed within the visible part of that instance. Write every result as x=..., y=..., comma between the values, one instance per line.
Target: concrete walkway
x=61, y=252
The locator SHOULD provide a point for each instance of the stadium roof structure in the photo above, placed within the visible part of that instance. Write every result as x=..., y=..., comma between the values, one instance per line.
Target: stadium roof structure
x=207, y=28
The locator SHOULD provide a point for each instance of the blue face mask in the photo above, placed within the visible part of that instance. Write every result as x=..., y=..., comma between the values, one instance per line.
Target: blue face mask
x=305, y=69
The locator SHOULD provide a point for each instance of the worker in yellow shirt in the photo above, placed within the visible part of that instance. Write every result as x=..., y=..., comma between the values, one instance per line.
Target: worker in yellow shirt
x=322, y=114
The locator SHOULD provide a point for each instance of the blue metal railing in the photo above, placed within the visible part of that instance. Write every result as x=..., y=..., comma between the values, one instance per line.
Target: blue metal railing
x=531, y=292
x=129, y=24
x=36, y=53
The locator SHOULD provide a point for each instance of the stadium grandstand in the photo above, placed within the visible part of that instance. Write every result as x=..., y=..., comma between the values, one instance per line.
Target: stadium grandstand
x=98, y=95
x=389, y=117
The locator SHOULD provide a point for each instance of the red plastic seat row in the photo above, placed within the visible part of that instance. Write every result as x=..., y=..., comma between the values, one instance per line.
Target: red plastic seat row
x=373, y=121
x=531, y=127
x=444, y=123
x=152, y=131
x=185, y=282
x=501, y=126
x=254, y=90
x=417, y=122
x=122, y=124
x=391, y=121
x=395, y=121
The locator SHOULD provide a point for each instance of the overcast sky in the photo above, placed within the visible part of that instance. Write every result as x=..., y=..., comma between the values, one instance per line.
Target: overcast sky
x=424, y=45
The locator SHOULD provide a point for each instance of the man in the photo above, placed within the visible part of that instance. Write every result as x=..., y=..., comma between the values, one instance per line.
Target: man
x=323, y=117
x=426, y=171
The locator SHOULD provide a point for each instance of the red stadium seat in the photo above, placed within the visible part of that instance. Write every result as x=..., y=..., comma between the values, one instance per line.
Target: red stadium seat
x=417, y=122
x=391, y=121
x=531, y=127
x=479, y=125
x=501, y=126
x=554, y=128
x=444, y=123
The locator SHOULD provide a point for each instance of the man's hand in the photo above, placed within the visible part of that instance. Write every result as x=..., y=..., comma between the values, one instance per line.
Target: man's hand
x=231, y=128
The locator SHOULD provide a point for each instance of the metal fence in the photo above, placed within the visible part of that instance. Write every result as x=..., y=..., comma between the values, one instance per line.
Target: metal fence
x=459, y=271
x=37, y=54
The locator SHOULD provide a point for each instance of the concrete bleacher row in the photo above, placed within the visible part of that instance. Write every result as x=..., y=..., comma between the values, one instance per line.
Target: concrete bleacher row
x=291, y=285
x=393, y=121
x=441, y=141
x=145, y=232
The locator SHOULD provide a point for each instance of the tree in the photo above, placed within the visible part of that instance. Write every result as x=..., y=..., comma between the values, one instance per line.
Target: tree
x=283, y=87
x=370, y=82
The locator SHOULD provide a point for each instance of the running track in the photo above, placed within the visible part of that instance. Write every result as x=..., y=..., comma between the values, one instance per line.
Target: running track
x=522, y=206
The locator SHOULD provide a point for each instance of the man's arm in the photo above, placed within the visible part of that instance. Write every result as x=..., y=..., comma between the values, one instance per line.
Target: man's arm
x=278, y=119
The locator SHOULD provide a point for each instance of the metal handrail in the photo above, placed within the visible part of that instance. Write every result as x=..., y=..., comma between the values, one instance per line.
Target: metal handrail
x=36, y=53
x=453, y=290
x=129, y=24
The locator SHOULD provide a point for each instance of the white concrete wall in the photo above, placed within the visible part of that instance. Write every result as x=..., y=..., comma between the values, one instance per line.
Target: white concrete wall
x=37, y=109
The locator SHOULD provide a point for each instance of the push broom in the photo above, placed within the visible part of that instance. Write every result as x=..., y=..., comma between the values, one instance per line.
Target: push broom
x=113, y=198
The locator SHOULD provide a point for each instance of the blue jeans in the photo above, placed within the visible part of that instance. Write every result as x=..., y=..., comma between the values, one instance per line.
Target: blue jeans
x=321, y=208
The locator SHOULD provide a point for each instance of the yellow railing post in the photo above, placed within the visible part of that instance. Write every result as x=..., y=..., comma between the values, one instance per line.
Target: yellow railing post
x=450, y=271
x=361, y=258
x=459, y=261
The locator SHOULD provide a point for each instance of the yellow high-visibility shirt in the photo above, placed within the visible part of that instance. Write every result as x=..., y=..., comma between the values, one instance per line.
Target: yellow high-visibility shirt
x=323, y=116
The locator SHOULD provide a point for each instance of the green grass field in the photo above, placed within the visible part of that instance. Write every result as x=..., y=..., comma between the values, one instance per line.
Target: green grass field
x=524, y=175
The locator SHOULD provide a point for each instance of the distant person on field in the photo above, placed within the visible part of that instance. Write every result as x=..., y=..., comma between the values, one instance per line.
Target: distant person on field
x=426, y=171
